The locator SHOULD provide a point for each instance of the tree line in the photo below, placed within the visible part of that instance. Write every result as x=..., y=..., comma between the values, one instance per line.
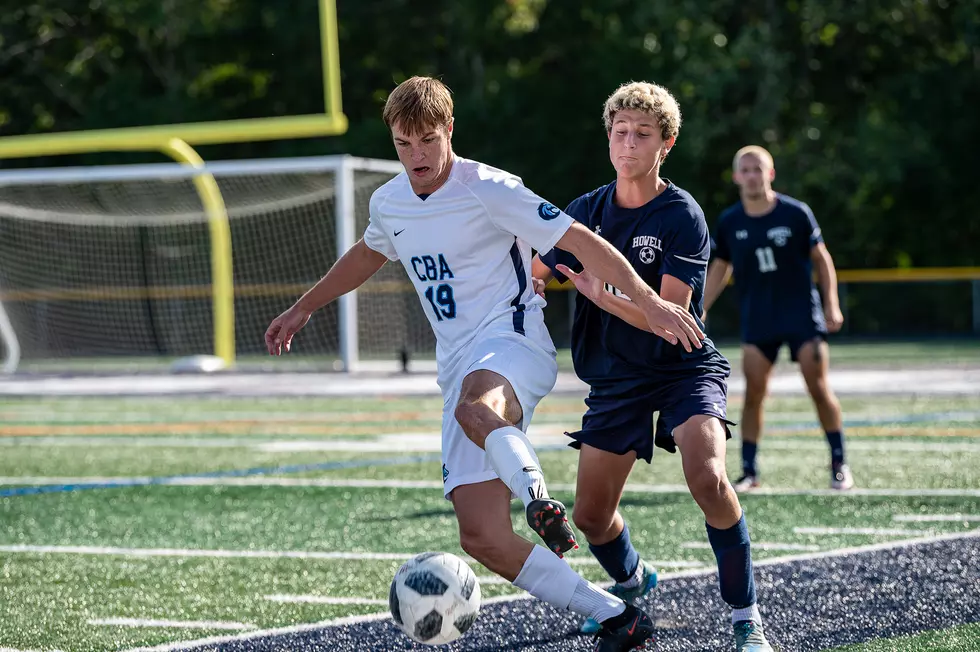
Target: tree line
x=869, y=106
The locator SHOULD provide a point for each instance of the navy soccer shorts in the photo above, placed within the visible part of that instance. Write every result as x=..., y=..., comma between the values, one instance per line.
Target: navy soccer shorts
x=623, y=422
x=770, y=348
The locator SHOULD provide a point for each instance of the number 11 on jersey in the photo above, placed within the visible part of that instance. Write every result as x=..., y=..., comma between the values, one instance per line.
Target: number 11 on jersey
x=442, y=301
x=767, y=261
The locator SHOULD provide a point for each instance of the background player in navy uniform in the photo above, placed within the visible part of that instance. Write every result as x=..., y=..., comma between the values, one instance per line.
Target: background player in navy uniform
x=772, y=243
x=661, y=230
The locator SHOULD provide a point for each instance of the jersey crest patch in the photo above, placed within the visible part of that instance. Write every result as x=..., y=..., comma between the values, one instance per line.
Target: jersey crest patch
x=548, y=211
x=647, y=255
x=779, y=235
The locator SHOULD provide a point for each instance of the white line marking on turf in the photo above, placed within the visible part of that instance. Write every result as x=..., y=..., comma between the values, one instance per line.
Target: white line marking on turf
x=190, y=552
x=367, y=483
x=171, y=624
x=936, y=518
x=799, y=547
x=11, y=649
x=339, y=622
x=322, y=599
x=870, y=531
x=270, y=554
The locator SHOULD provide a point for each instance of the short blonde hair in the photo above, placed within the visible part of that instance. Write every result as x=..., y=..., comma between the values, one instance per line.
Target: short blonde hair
x=419, y=105
x=649, y=98
x=755, y=150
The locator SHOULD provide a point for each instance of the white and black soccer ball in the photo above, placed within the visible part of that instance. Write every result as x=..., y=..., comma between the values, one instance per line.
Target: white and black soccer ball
x=434, y=598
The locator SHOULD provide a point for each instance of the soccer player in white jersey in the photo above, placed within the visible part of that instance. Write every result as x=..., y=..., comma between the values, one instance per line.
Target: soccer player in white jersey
x=464, y=233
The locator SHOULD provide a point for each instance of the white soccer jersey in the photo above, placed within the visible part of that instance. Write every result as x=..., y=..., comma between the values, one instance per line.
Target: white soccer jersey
x=467, y=250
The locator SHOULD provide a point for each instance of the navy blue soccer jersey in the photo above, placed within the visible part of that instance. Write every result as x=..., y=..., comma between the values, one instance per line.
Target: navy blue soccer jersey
x=770, y=258
x=668, y=235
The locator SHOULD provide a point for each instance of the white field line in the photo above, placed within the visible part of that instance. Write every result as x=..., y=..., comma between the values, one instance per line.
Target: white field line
x=322, y=599
x=417, y=442
x=171, y=624
x=869, y=531
x=191, y=552
x=307, y=627
x=434, y=484
x=798, y=547
x=269, y=554
x=936, y=518
x=12, y=649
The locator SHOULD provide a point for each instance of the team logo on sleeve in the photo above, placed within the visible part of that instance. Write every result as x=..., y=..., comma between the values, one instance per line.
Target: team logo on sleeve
x=548, y=211
x=779, y=235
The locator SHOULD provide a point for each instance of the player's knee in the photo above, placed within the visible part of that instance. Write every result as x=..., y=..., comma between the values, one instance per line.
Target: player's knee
x=755, y=392
x=709, y=485
x=591, y=520
x=466, y=414
x=472, y=418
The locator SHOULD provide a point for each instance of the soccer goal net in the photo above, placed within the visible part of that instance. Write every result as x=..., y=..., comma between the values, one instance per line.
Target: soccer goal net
x=109, y=267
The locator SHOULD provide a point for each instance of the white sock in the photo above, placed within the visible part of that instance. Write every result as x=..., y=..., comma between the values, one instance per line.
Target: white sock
x=748, y=613
x=589, y=600
x=635, y=579
x=550, y=579
x=515, y=463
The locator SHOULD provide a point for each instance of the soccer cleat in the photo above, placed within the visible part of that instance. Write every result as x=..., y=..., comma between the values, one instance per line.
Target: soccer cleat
x=549, y=519
x=631, y=630
x=747, y=483
x=840, y=477
x=749, y=637
x=648, y=582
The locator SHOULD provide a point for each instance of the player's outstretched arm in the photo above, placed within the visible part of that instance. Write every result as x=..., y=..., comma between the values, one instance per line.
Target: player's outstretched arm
x=592, y=288
x=355, y=267
x=827, y=277
x=666, y=319
x=719, y=272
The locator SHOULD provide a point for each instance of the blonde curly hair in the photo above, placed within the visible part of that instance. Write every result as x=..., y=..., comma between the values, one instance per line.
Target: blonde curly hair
x=648, y=98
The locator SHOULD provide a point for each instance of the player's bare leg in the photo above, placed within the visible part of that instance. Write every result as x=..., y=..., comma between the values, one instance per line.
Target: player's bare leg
x=701, y=440
x=485, y=530
x=485, y=533
x=601, y=478
x=490, y=414
x=599, y=488
x=814, y=357
x=757, y=369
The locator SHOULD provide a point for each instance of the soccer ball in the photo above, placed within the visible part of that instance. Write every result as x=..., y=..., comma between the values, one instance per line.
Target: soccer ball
x=434, y=598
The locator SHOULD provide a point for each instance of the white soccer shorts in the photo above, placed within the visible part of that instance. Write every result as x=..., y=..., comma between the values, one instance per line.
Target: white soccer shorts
x=532, y=372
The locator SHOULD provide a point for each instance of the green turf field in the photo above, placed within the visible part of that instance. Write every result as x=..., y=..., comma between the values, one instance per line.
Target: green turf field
x=957, y=639
x=249, y=514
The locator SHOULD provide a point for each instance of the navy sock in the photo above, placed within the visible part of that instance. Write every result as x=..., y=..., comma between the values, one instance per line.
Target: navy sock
x=734, y=557
x=836, y=440
x=749, y=449
x=618, y=557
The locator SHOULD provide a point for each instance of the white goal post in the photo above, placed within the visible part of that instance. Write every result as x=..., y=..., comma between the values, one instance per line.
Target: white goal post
x=109, y=266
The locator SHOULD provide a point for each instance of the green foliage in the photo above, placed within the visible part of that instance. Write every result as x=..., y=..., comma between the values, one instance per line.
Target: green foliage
x=867, y=105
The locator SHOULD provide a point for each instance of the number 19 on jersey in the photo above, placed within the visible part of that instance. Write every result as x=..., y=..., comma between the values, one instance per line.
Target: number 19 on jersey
x=442, y=301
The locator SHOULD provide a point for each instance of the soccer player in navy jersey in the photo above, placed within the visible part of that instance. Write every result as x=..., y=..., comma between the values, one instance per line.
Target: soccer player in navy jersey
x=632, y=373
x=772, y=244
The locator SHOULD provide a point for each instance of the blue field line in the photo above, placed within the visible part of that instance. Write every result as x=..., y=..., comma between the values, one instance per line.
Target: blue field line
x=234, y=473
x=902, y=420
